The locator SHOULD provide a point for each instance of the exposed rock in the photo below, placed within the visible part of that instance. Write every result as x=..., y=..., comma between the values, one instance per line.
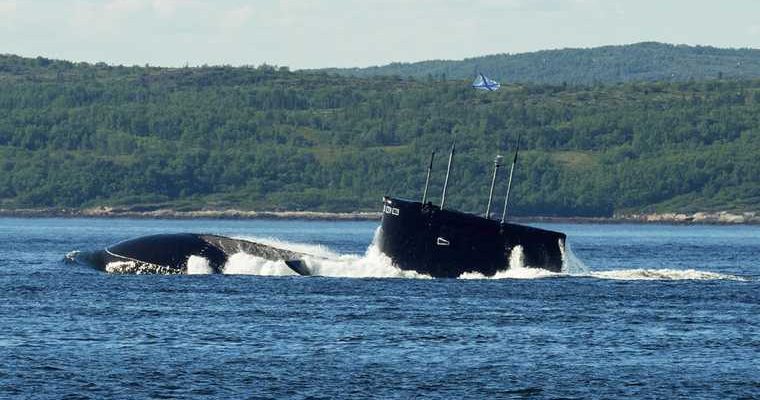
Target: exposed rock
x=722, y=217
x=730, y=218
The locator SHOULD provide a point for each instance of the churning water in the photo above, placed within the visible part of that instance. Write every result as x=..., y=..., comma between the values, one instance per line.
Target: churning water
x=638, y=311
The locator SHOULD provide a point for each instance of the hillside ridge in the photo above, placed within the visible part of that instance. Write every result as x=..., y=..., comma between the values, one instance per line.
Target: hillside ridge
x=644, y=61
x=78, y=135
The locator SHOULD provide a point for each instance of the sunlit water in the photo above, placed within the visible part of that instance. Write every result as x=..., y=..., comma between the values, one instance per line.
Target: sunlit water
x=648, y=311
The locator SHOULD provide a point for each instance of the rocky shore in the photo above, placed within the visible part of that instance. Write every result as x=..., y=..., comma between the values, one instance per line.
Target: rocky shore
x=722, y=217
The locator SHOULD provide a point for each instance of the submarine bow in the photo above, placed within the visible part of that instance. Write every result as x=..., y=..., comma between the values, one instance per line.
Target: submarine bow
x=169, y=253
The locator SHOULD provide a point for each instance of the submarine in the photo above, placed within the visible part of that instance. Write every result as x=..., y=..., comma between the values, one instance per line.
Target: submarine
x=431, y=239
x=170, y=253
x=416, y=235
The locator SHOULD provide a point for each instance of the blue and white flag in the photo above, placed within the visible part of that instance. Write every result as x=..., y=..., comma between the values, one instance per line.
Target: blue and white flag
x=484, y=83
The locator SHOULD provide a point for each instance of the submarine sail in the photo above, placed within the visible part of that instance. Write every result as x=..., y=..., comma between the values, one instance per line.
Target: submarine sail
x=445, y=243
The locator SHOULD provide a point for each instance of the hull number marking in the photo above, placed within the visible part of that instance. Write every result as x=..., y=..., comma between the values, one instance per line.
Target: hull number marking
x=390, y=210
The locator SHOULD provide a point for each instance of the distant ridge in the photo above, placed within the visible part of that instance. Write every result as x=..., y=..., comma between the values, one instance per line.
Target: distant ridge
x=646, y=61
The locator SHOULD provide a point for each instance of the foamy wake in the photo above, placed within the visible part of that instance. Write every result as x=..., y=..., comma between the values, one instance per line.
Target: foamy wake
x=573, y=266
x=663, y=274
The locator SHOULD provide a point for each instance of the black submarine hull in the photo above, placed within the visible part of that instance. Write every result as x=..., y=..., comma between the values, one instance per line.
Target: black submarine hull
x=169, y=254
x=446, y=243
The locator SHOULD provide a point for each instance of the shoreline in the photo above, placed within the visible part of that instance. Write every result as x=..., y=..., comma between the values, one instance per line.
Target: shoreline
x=165, y=213
x=699, y=218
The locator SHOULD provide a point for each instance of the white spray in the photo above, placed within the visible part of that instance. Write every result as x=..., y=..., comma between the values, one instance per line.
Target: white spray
x=517, y=269
x=197, y=265
x=247, y=264
x=571, y=264
x=319, y=261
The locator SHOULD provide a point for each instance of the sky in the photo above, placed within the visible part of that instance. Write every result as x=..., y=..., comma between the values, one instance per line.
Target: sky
x=355, y=33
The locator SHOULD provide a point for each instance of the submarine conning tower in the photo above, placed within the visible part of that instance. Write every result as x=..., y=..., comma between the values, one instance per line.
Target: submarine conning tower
x=440, y=242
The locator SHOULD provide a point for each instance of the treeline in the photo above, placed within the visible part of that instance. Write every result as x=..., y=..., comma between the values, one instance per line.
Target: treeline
x=648, y=61
x=81, y=135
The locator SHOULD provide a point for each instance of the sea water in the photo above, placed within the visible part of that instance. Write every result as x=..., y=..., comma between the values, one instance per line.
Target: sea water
x=656, y=311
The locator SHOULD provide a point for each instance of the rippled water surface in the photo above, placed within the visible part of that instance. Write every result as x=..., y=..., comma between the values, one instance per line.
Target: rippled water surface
x=658, y=312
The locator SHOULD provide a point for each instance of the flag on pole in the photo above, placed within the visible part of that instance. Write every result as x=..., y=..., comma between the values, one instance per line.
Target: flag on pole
x=484, y=83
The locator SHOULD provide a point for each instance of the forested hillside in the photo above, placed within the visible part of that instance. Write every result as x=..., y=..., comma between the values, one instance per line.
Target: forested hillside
x=648, y=61
x=80, y=135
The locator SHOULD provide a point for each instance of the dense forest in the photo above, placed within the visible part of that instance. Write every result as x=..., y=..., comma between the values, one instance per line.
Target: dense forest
x=266, y=138
x=649, y=61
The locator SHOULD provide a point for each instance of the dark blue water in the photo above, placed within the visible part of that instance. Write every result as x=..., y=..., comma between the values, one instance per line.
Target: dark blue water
x=665, y=311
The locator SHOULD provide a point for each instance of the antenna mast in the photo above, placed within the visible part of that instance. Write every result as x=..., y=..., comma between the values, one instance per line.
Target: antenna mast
x=427, y=180
x=448, y=172
x=496, y=165
x=509, y=185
